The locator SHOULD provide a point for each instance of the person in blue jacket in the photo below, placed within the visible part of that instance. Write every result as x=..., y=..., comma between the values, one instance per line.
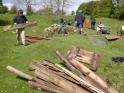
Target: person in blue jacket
x=79, y=19
x=20, y=19
x=62, y=26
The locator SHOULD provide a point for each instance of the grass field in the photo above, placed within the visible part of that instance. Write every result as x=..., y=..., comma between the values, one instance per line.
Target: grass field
x=21, y=56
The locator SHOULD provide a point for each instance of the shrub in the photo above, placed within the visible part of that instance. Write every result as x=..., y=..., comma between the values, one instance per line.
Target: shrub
x=3, y=9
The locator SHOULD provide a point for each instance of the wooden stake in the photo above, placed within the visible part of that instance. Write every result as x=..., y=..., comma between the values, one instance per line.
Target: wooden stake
x=19, y=73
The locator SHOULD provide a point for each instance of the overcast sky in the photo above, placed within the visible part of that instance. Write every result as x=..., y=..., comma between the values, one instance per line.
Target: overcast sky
x=73, y=7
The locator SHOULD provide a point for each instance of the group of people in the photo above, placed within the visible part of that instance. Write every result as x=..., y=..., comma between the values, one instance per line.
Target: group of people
x=79, y=22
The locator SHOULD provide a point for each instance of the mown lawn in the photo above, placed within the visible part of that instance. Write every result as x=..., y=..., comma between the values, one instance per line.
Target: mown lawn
x=21, y=56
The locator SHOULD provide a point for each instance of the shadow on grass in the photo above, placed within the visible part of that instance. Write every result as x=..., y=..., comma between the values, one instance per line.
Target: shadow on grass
x=4, y=22
x=21, y=78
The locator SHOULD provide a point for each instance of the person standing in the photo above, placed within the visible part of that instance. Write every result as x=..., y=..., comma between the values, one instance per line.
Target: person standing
x=93, y=22
x=20, y=19
x=79, y=19
x=62, y=26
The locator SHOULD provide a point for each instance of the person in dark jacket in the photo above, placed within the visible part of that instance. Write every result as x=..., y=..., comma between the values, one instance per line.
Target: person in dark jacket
x=79, y=19
x=93, y=22
x=20, y=19
x=62, y=26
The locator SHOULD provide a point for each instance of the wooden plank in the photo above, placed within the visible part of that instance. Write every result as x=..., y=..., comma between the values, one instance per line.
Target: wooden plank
x=112, y=37
x=53, y=69
x=19, y=26
x=46, y=75
x=73, y=52
x=34, y=39
x=47, y=86
x=81, y=81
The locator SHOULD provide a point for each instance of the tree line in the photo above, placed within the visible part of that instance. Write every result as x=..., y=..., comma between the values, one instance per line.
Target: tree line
x=49, y=7
x=103, y=8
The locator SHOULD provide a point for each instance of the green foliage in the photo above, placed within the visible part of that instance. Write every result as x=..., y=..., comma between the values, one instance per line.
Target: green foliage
x=3, y=9
x=97, y=8
x=45, y=11
x=103, y=8
x=4, y=22
x=13, y=10
x=72, y=13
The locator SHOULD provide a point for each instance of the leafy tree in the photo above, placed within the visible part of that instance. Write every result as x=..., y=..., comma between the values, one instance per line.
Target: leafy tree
x=45, y=11
x=72, y=13
x=103, y=8
x=29, y=10
x=3, y=9
x=13, y=10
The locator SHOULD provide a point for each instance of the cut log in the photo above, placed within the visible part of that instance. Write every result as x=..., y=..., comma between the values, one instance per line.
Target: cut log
x=104, y=86
x=19, y=26
x=19, y=73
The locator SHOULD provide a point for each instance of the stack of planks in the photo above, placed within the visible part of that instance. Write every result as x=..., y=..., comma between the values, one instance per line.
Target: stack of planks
x=84, y=56
x=74, y=77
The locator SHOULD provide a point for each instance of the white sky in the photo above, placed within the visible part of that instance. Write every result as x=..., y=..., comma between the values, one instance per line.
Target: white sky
x=73, y=7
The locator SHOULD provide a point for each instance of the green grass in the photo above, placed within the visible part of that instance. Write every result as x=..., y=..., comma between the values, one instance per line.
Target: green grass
x=21, y=56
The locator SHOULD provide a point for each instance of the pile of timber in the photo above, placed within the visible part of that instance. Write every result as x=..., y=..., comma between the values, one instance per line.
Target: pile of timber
x=84, y=56
x=55, y=28
x=74, y=77
x=70, y=28
x=52, y=28
x=19, y=26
